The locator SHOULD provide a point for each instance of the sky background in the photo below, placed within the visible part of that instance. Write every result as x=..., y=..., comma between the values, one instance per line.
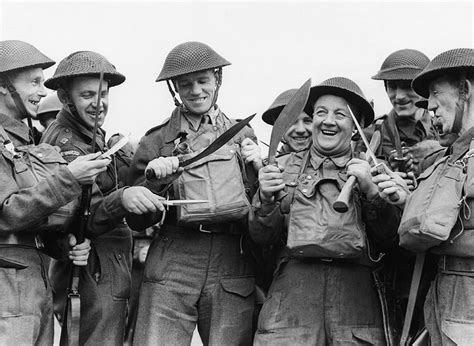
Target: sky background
x=273, y=46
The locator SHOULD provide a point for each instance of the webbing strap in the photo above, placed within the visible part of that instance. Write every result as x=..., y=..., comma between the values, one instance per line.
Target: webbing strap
x=415, y=283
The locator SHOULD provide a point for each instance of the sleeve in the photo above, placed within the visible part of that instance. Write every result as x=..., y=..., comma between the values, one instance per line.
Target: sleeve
x=23, y=208
x=266, y=222
x=146, y=152
x=381, y=221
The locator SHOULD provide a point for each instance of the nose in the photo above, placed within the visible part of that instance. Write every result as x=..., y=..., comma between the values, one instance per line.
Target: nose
x=432, y=106
x=42, y=92
x=330, y=119
x=299, y=127
x=195, y=89
x=400, y=93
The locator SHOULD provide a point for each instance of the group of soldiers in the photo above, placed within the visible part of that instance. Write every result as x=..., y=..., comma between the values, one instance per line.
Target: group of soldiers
x=255, y=251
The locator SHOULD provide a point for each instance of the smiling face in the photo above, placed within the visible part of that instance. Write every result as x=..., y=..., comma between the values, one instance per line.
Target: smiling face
x=444, y=102
x=83, y=94
x=197, y=90
x=332, y=125
x=402, y=97
x=29, y=84
x=298, y=136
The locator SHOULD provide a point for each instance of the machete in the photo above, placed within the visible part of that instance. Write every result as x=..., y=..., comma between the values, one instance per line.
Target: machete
x=219, y=142
x=287, y=117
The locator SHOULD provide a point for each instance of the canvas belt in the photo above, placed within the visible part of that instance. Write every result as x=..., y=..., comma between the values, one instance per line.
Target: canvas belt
x=226, y=227
x=22, y=239
x=456, y=264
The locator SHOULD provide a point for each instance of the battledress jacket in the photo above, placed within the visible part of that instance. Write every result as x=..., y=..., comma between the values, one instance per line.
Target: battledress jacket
x=162, y=141
x=269, y=221
x=26, y=209
x=106, y=228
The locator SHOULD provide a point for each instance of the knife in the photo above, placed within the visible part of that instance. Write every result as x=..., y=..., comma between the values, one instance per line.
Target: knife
x=218, y=143
x=287, y=117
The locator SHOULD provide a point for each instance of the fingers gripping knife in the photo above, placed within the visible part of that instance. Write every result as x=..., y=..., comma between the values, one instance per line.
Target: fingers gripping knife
x=218, y=143
x=341, y=205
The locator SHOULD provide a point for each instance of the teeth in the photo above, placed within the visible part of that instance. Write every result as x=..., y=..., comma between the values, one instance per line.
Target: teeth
x=329, y=133
x=34, y=102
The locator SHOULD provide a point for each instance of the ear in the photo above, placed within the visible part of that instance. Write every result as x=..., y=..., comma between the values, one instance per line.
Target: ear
x=63, y=96
x=468, y=89
x=3, y=90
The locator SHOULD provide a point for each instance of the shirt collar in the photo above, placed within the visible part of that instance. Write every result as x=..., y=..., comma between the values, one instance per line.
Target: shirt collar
x=462, y=144
x=339, y=161
x=19, y=130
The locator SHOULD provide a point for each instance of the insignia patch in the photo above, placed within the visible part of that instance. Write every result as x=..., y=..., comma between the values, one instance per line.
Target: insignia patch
x=64, y=140
x=70, y=152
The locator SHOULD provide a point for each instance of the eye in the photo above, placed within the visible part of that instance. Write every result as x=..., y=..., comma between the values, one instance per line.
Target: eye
x=320, y=112
x=308, y=120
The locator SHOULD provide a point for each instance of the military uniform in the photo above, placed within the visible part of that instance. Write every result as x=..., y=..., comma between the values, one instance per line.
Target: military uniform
x=25, y=292
x=193, y=274
x=449, y=304
x=319, y=300
x=105, y=284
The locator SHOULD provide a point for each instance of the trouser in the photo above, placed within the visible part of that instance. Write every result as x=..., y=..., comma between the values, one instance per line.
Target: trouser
x=26, y=302
x=449, y=305
x=195, y=278
x=321, y=303
x=104, y=290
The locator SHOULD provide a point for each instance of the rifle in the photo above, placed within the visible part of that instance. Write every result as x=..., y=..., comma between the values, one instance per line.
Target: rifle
x=72, y=310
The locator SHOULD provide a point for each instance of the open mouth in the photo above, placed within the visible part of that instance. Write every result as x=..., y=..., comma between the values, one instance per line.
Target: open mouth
x=92, y=113
x=199, y=100
x=34, y=103
x=328, y=132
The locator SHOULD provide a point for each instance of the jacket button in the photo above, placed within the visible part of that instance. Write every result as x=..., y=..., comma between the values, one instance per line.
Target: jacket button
x=308, y=177
x=40, y=155
x=119, y=256
x=305, y=190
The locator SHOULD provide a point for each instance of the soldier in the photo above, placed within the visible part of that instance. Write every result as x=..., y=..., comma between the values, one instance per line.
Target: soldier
x=48, y=110
x=298, y=136
x=406, y=123
x=34, y=182
x=197, y=270
x=412, y=128
x=322, y=292
x=105, y=284
x=447, y=81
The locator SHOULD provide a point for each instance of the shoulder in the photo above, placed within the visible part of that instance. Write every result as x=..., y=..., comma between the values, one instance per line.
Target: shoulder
x=154, y=131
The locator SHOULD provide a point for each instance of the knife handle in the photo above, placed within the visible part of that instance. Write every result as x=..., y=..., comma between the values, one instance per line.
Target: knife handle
x=150, y=173
x=341, y=204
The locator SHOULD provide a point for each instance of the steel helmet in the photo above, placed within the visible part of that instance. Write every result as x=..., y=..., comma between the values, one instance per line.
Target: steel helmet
x=190, y=57
x=84, y=63
x=403, y=64
x=347, y=89
x=16, y=55
x=49, y=104
x=272, y=113
x=452, y=61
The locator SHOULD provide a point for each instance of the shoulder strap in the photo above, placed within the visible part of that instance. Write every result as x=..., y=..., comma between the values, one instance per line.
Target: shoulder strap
x=415, y=283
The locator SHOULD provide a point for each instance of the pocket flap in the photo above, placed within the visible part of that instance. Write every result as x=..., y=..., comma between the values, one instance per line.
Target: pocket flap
x=460, y=332
x=371, y=335
x=44, y=153
x=242, y=286
x=9, y=263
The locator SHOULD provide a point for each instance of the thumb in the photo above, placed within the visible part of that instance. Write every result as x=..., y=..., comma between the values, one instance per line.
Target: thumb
x=72, y=240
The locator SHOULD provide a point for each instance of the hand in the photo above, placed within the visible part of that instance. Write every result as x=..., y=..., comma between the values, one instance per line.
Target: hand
x=392, y=188
x=139, y=200
x=421, y=150
x=166, y=169
x=409, y=179
x=271, y=181
x=361, y=170
x=79, y=253
x=398, y=163
x=85, y=169
x=251, y=153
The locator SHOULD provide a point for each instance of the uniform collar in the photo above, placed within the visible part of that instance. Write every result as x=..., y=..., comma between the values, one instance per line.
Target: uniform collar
x=462, y=144
x=19, y=130
x=65, y=118
x=175, y=129
x=339, y=161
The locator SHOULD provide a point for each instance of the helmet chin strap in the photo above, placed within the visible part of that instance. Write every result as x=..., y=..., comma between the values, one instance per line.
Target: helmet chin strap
x=20, y=105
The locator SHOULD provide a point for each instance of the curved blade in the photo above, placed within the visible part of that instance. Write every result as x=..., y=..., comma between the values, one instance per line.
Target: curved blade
x=219, y=142
x=287, y=117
